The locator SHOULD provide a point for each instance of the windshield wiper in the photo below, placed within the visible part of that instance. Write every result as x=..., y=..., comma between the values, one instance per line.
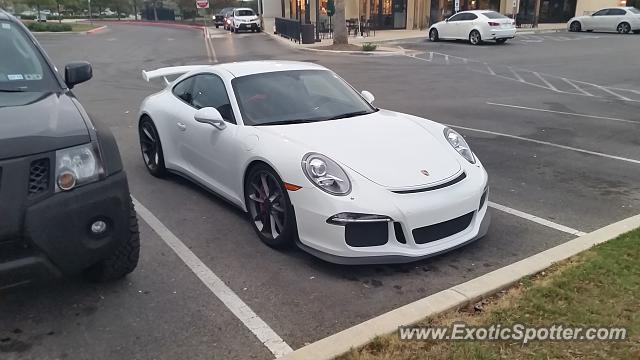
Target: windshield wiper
x=11, y=90
x=287, y=122
x=351, y=114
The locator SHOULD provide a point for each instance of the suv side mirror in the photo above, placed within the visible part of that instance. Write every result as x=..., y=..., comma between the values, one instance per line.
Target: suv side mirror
x=77, y=72
x=368, y=96
x=211, y=116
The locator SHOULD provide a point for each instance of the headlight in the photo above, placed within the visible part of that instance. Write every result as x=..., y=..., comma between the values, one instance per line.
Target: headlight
x=77, y=166
x=326, y=174
x=459, y=144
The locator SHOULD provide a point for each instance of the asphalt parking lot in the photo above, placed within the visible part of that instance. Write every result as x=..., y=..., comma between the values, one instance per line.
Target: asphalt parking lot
x=553, y=117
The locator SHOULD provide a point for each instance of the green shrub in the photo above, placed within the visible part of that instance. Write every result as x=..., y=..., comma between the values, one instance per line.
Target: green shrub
x=53, y=27
x=369, y=47
x=27, y=17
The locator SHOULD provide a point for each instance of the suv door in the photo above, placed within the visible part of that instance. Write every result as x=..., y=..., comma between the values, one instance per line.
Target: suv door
x=210, y=152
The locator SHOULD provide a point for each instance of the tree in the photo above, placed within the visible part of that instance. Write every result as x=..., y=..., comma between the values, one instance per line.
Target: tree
x=340, y=35
x=136, y=6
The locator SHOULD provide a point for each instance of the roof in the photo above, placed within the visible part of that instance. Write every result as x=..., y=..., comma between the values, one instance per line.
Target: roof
x=245, y=68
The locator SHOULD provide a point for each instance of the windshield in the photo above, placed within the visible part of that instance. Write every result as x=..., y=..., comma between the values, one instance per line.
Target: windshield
x=244, y=13
x=494, y=15
x=296, y=96
x=22, y=67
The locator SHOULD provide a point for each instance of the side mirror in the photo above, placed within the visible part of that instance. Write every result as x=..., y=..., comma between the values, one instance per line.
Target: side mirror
x=77, y=72
x=368, y=96
x=211, y=116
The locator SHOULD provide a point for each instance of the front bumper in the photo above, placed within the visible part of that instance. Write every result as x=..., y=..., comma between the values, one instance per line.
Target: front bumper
x=55, y=238
x=247, y=26
x=493, y=34
x=423, y=223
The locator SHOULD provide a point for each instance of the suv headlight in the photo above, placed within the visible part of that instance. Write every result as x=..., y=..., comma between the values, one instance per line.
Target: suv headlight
x=459, y=144
x=326, y=174
x=76, y=166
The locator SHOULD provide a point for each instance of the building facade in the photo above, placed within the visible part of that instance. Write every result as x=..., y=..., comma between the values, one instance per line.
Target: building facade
x=420, y=14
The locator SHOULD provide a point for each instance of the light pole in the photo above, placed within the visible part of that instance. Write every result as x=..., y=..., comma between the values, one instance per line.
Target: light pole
x=90, y=21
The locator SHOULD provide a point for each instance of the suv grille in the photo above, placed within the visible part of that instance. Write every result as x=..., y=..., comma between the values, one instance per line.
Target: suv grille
x=39, y=177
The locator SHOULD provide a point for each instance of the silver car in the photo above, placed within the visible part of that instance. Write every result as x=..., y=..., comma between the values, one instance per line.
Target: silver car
x=620, y=19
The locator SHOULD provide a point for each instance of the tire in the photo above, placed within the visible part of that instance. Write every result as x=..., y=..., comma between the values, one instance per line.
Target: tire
x=433, y=35
x=475, y=38
x=258, y=30
x=217, y=26
x=575, y=26
x=272, y=206
x=623, y=28
x=151, y=148
x=123, y=260
x=501, y=41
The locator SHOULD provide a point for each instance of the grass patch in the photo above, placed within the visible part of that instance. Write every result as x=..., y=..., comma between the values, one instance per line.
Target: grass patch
x=369, y=47
x=59, y=27
x=600, y=287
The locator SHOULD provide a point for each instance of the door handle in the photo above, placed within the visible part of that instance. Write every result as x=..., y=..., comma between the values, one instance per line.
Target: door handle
x=182, y=126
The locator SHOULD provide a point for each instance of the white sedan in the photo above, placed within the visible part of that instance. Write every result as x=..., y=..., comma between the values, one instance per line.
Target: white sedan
x=620, y=19
x=476, y=26
x=314, y=163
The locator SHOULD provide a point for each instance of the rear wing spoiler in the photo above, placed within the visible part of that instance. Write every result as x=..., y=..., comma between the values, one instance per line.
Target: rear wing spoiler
x=169, y=71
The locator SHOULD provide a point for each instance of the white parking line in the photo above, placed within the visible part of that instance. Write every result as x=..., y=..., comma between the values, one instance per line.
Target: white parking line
x=545, y=81
x=253, y=322
x=536, y=219
x=577, y=87
x=564, y=113
x=634, y=161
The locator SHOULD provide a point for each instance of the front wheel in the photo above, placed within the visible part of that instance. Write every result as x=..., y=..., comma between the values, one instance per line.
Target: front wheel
x=433, y=35
x=501, y=41
x=623, y=28
x=475, y=38
x=269, y=207
x=575, y=26
x=123, y=260
x=151, y=147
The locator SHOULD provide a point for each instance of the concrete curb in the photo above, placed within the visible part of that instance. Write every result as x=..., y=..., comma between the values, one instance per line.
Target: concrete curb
x=343, y=52
x=541, y=31
x=96, y=30
x=461, y=294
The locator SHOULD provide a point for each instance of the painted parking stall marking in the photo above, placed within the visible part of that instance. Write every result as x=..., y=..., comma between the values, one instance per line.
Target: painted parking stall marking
x=239, y=308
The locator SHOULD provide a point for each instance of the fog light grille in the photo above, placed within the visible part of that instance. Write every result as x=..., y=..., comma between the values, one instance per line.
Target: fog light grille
x=39, y=176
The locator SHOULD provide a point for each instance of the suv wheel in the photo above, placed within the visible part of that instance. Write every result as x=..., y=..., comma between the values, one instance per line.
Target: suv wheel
x=123, y=260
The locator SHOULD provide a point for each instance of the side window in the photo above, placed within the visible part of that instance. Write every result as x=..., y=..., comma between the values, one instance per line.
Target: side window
x=183, y=90
x=470, y=16
x=617, y=12
x=209, y=91
x=601, y=12
x=457, y=17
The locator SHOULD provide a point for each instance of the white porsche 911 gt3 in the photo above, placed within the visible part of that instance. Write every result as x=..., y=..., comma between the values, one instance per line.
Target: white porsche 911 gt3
x=313, y=162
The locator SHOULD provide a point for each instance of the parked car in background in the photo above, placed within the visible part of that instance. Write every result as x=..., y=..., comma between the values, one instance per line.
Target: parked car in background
x=475, y=26
x=219, y=18
x=620, y=19
x=245, y=19
x=65, y=203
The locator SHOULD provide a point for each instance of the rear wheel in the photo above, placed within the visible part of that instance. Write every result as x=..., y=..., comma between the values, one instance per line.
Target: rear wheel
x=433, y=35
x=269, y=207
x=151, y=147
x=475, y=38
x=501, y=41
x=623, y=28
x=123, y=260
x=575, y=26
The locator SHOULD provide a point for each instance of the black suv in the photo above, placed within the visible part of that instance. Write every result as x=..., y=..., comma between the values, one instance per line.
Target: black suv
x=64, y=200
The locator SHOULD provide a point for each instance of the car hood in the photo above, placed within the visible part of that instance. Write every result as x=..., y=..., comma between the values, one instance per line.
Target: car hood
x=387, y=148
x=36, y=122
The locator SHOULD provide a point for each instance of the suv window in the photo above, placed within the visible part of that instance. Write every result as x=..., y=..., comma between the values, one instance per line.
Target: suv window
x=22, y=66
x=601, y=12
x=209, y=91
x=457, y=17
x=244, y=13
x=184, y=90
x=616, y=12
